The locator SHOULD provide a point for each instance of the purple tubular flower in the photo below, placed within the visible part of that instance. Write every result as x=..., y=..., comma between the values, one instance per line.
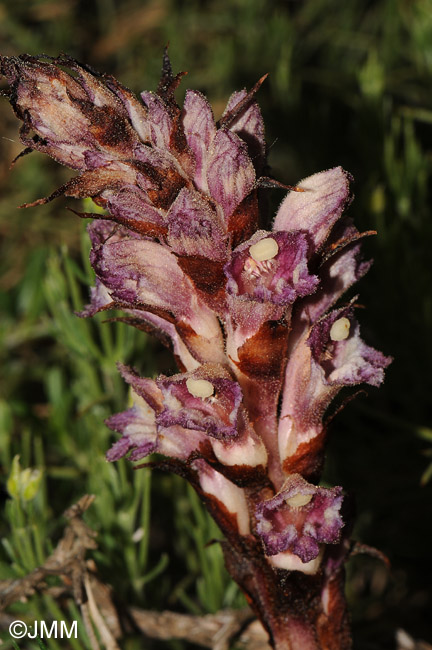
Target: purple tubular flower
x=299, y=518
x=140, y=274
x=328, y=356
x=194, y=413
x=207, y=400
x=138, y=425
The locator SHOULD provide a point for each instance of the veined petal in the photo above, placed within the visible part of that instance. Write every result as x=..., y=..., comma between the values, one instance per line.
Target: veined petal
x=318, y=207
x=299, y=518
x=159, y=119
x=135, y=109
x=200, y=129
x=138, y=428
x=230, y=172
x=194, y=228
x=130, y=206
x=138, y=272
x=249, y=126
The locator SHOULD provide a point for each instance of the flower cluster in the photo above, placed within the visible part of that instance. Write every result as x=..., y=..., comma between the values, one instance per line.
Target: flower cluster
x=252, y=315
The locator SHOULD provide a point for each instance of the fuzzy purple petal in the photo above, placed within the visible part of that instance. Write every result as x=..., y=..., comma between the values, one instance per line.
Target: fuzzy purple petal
x=194, y=228
x=138, y=424
x=230, y=173
x=139, y=271
x=131, y=206
x=322, y=361
x=141, y=274
x=143, y=386
x=138, y=428
x=318, y=207
x=299, y=518
x=249, y=126
x=159, y=119
x=200, y=129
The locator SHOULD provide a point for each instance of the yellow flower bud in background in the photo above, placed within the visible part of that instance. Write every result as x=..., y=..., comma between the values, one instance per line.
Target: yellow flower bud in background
x=24, y=483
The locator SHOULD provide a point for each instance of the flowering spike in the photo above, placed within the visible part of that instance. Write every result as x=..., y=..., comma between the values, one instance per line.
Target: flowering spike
x=251, y=316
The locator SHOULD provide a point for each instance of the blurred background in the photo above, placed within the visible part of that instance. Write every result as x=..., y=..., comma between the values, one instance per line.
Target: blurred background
x=349, y=83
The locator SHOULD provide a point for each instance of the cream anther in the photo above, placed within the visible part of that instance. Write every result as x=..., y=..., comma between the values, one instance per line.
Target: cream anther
x=199, y=387
x=266, y=249
x=340, y=329
x=299, y=500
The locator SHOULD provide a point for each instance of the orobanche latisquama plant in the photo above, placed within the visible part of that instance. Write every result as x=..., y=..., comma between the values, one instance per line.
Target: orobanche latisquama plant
x=253, y=317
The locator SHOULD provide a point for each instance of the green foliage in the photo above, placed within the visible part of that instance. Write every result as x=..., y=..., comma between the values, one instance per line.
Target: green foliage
x=350, y=84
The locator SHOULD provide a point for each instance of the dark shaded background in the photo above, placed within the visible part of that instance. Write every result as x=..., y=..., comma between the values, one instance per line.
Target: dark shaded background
x=349, y=83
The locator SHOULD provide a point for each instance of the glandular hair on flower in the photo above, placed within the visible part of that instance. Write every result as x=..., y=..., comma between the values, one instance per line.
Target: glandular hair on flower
x=199, y=387
x=264, y=250
x=340, y=329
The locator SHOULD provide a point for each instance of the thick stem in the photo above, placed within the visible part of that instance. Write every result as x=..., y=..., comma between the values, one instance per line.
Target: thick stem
x=299, y=611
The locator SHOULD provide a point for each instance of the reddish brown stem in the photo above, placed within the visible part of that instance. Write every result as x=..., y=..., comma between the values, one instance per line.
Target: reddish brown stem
x=299, y=611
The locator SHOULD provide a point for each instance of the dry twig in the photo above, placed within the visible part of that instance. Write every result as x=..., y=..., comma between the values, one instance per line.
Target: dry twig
x=67, y=560
x=215, y=631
